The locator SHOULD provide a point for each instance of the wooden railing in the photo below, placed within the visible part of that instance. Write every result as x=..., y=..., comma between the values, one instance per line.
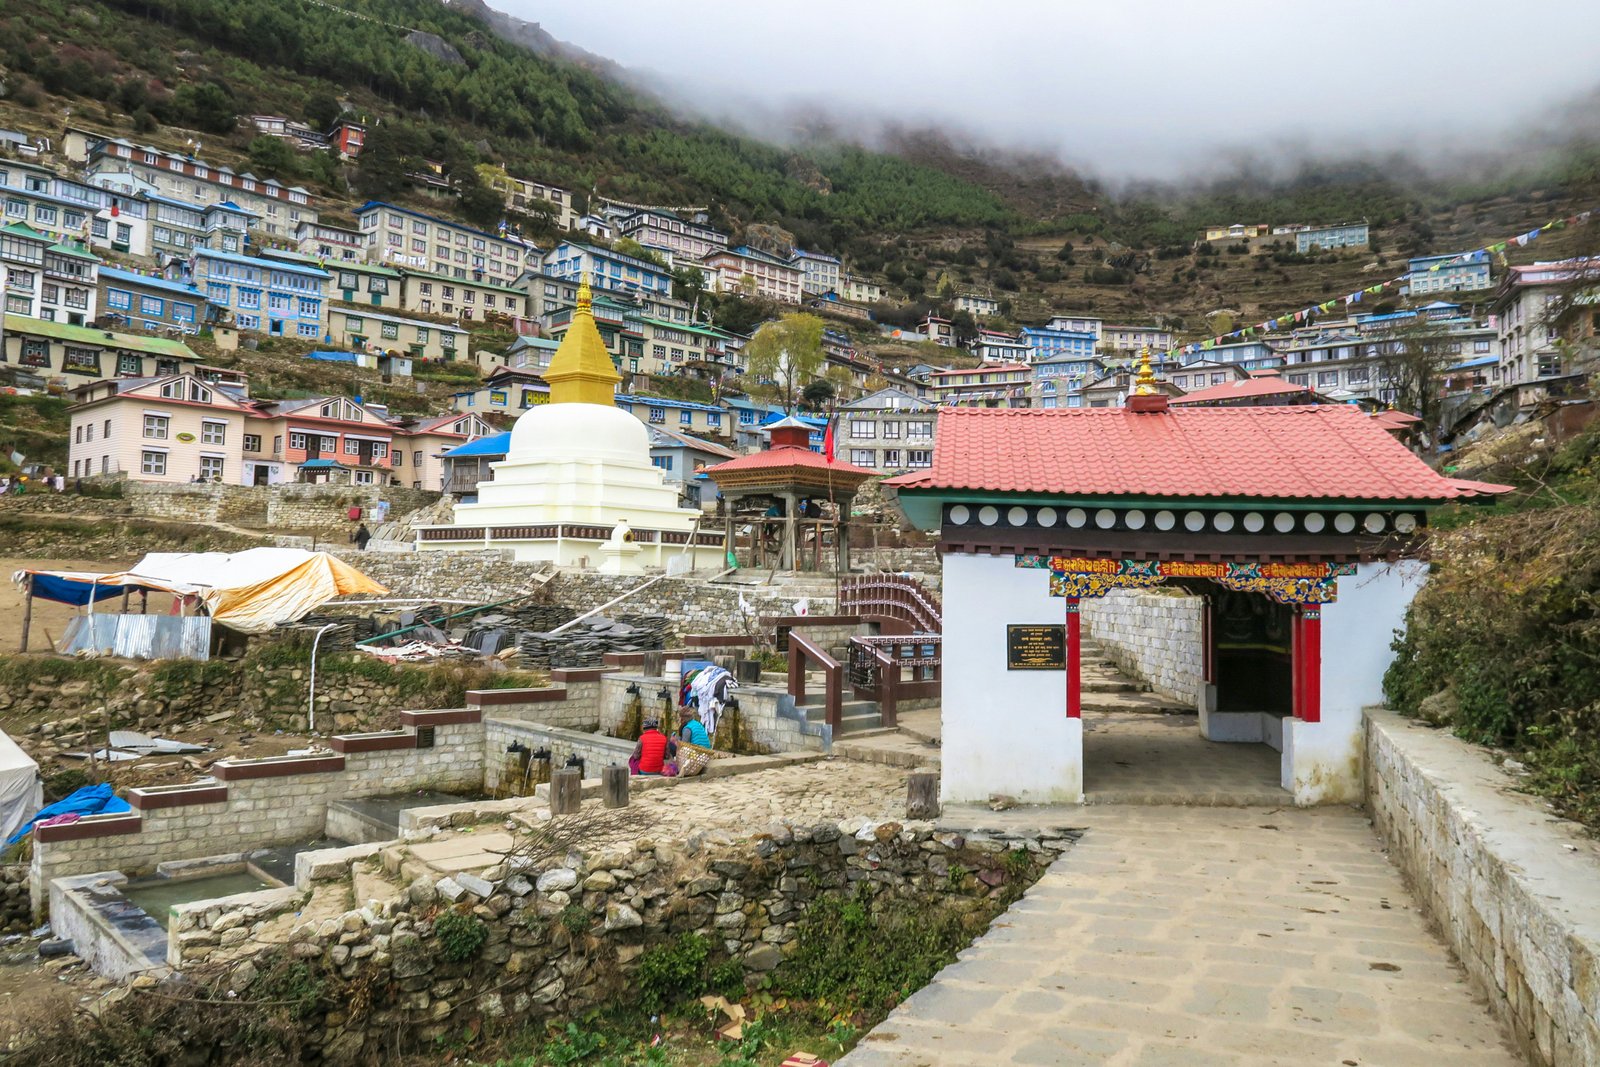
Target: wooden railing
x=894, y=597
x=803, y=650
x=891, y=669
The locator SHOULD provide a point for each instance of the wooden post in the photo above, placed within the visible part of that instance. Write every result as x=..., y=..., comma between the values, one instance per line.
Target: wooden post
x=841, y=538
x=27, y=614
x=615, y=780
x=922, y=795
x=125, y=593
x=1074, y=660
x=566, y=791
x=790, y=560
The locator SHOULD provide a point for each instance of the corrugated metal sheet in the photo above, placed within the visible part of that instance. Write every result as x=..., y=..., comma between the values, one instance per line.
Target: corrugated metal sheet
x=140, y=636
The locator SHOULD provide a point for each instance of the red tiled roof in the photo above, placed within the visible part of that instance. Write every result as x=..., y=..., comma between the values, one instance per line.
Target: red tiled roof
x=787, y=456
x=1243, y=389
x=1394, y=419
x=1317, y=451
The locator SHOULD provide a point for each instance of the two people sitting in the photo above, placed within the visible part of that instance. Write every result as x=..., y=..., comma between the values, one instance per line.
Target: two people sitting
x=657, y=754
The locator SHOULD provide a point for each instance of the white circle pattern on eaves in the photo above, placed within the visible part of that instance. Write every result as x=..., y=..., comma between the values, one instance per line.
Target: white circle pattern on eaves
x=1134, y=519
x=1405, y=522
x=1374, y=523
x=1165, y=520
x=1047, y=517
x=1017, y=516
x=988, y=515
x=1223, y=521
x=960, y=514
x=1283, y=522
x=1314, y=522
x=1076, y=517
x=1254, y=522
x=1194, y=521
x=1105, y=518
x=1344, y=522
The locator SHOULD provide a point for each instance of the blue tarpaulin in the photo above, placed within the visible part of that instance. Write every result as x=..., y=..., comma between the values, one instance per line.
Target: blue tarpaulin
x=90, y=800
x=73, y=590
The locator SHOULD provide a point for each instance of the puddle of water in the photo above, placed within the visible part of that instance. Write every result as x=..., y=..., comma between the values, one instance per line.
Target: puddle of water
x=156, y=896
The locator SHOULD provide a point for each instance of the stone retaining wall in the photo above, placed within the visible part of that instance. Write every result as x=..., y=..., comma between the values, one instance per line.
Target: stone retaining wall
x=1151, y=636
x=16, y=910
x=551, y=942
x=1514, y=892
x=262, y=802
x=596, y=750
x=481, y=577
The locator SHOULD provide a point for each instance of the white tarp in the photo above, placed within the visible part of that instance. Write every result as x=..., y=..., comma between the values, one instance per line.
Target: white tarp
x=21, y=792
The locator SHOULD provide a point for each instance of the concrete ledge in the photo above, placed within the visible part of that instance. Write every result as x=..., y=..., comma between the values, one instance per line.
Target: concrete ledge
x=444, y=717
x=275, y=767
x=792, y=621
x=719, y=641
x=1515, y=892
x=90, y=826
x=149, y=798
x=377, y=741
x=487, y=698
x=331, y=864
x=580, y=674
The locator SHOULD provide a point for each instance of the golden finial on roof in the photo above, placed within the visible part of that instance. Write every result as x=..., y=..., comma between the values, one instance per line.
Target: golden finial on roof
x=581, y=371
x=1145, y=383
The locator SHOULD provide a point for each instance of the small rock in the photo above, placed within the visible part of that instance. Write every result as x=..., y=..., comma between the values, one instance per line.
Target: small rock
x=599, y=882
x=450, y=889
x=481, y=888
x=763, y=957
x=558, y=878
x=1001, y=802
x=621, y=917
x=422, y=892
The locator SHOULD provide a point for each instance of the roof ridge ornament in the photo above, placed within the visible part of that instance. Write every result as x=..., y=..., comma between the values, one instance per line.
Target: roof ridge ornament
x=1144, y=397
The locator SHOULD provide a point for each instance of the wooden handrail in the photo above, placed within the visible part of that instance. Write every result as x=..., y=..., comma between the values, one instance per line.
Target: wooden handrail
x=801, y=649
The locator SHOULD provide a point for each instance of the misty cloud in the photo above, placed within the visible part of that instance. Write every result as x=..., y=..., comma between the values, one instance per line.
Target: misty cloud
x=1129, y=89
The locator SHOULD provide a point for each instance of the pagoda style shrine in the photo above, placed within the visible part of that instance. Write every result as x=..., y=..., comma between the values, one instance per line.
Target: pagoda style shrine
x=1299, y=526
x=788, y=474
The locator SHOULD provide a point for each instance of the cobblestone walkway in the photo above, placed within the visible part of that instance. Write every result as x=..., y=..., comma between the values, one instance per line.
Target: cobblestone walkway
x=1200, y=937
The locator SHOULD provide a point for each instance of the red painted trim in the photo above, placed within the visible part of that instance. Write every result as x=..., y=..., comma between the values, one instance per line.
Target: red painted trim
x=1311, y=649
x=718, y=640
x=792, y=621
x=484, y=698
x=387, y=741
x=623, y=659
x=1296, y=663
x=93, y=826
x=150, y=800
x=580, y=674
x=1074, y=660
x=276, y=767
x=446, y=717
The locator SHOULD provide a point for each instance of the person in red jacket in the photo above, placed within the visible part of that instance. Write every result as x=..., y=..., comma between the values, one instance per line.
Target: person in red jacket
x=655, y=753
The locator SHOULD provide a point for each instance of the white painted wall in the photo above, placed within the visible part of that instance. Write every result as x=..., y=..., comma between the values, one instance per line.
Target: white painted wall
x=1004, y=731
x=1322, y=761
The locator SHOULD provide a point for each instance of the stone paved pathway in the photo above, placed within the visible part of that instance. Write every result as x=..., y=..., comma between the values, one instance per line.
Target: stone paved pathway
x=1200, y=937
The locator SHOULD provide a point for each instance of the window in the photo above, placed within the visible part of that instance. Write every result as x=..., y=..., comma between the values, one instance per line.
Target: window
x=891, y=457
x=151, y=305
x=252, y=442
x=399, y=459
x=364, y=478
x=416, y=458
x=296, y=440
x=352, y=447
x=153, y=463
x=213, y=433
x=347, y=279
x=1480, y=346
x=1327, y=379
x=211, y=468
x=422, y=335
x=919, y=458
x=81, y=361
x=155, y=426
x=308, y=329
x=106, y=430
x=379, y=450
x=863, y=457
x=248, y=322
x=863, y=429
x=447, y=341
x=658, y=415
x=685, y=417
x=390, y=331
x=662, y=462
x=919, y=429
x=119, y=299
x=891, y=431
x=714, y=419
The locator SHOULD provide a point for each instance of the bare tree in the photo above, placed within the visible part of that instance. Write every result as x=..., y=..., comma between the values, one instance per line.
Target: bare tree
x=1411, y=358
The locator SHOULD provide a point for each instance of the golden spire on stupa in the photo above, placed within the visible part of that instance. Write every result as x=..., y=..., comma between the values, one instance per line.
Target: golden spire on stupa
x=581, y=372
x=1145, y=383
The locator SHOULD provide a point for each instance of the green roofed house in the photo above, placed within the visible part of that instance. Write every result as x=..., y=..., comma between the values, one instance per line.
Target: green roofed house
x=40, y=349
x=45, y=279
x=463, y=298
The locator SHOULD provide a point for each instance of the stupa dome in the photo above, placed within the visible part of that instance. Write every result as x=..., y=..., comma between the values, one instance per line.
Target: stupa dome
x=578, y=431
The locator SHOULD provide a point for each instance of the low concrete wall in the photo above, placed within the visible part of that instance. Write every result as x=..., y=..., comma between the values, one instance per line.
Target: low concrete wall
x=1514, y=892
x=772, y=721
x=255, y=803
x=596, y=750
x=1152, y=636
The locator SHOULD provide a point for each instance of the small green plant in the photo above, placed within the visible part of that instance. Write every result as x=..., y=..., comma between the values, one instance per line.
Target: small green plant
x=727, y=978
x=667, y=973
x=292, y=985
x=1018, y=863
x=461, y=934
x=841, y=1034
x=575, y=1045
x=574, y=918
x=955, y=877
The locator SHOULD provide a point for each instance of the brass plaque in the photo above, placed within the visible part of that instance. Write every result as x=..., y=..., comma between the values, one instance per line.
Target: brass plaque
x=1036, y=648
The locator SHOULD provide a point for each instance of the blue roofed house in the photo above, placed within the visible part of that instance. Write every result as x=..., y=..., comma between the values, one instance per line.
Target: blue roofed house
x=152, y=303
x=747, y=417
x=1059, y=382
x=680, y=456
x=269, y=296
x=467, y=465
x=1045, y=342
x=570, y=260
x=1251, y=355
x=685, y=416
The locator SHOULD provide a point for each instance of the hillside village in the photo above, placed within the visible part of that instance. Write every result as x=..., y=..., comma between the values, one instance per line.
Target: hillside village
x=126, y=264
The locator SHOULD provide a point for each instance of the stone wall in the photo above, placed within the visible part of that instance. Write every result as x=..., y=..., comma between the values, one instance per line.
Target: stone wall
x=596, y=750
x=16, y=909
x=481, y=577
x=573, y=702
x=256, y=803
x=553, y=941
x=1514, y=892
x=694, y=604
x=772, y=722
x=326, y=507
x=290, y=506
x=1153, y=636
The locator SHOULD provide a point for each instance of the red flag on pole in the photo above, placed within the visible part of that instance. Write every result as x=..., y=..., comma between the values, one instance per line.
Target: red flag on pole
x=827, y=442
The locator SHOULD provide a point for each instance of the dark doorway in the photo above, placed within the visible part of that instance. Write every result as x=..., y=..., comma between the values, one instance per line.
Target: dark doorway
x=1252, y=652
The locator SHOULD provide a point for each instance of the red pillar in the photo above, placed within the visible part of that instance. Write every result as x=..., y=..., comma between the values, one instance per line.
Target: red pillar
x=1296, y=660
x=1311, y=654
x=1074, y=660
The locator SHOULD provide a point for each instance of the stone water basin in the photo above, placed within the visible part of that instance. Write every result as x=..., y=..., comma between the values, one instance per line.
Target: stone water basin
x=157, y=896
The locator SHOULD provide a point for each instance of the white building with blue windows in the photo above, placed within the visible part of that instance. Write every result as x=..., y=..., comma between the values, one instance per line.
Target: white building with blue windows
x=1048, y=342
x=271, y=297
x=570, y=261
x=1060, y=382
x=151, y=303
x=1324, y=238
x=1251, y=355
x=1457, y=272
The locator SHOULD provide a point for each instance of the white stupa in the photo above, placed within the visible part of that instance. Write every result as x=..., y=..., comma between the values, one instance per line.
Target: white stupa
x=577, y=469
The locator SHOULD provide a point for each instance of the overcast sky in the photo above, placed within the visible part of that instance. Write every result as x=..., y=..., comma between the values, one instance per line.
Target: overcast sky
x=1122, y=88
